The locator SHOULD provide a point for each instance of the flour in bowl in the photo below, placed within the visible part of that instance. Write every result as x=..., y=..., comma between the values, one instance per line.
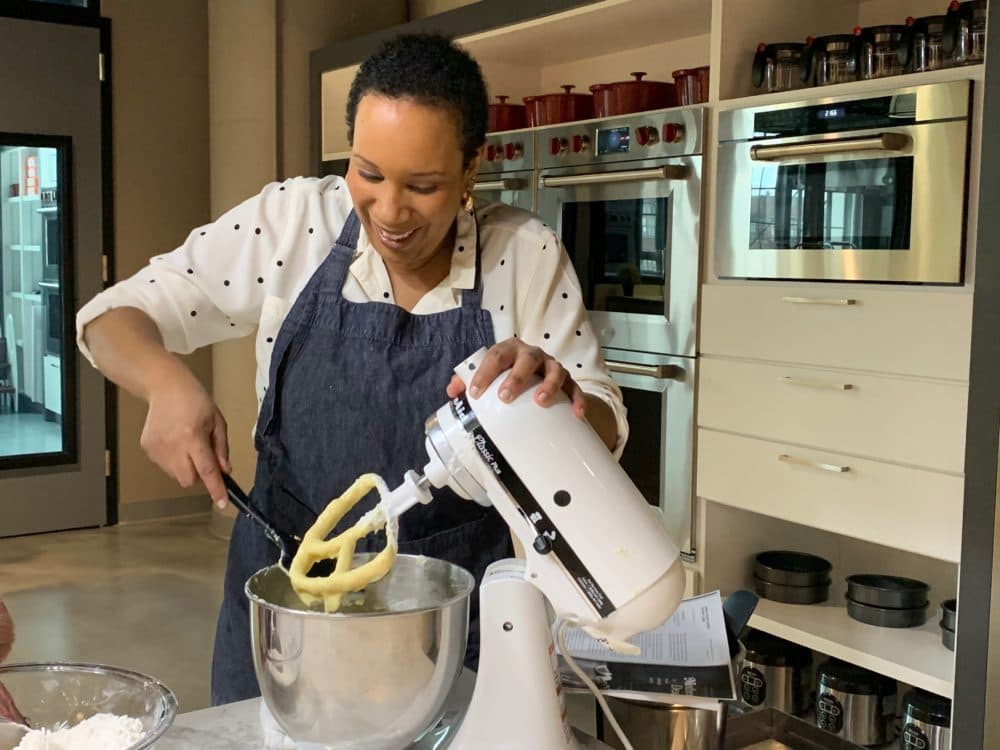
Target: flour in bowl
x=99, y=732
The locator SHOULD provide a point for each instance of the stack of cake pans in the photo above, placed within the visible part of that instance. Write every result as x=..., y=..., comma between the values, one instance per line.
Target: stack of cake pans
x=949, y=614
x=792, y=577
x=887, y=601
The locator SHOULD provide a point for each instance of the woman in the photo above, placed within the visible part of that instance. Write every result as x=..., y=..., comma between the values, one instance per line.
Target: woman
x=356, y=344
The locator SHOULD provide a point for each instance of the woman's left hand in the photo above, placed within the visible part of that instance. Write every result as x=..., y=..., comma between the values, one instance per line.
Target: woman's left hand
x=520, y=361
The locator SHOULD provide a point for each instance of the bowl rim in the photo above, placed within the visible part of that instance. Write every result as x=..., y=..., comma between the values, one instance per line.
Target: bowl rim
x=170, y=699
x=468, y=588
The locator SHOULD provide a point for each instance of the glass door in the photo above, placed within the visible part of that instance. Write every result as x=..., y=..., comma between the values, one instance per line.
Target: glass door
x=52, y=405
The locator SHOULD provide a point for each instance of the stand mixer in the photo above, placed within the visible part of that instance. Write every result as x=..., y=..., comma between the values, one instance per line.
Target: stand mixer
x=594, y=549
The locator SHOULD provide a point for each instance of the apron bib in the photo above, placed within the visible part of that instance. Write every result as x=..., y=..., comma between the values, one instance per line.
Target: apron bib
x=351, y=385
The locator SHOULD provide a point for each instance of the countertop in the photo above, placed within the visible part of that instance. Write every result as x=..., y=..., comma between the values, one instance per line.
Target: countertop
x=240, y=726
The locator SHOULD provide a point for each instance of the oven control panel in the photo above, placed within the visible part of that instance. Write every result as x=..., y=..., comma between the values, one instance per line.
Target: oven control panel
x=646, y=135
x=508, y=152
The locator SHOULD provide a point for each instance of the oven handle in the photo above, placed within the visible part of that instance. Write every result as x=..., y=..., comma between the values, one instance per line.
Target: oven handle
x=507, y=183
x=881, y=142
x=669, y=172
x=662, y=372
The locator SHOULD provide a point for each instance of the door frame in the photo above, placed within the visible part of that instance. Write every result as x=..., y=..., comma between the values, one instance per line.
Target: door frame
x=90, y=17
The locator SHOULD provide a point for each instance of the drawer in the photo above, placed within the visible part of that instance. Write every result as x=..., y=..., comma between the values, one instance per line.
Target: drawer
x=918, y=422
x=902, y=331
x=911, y=509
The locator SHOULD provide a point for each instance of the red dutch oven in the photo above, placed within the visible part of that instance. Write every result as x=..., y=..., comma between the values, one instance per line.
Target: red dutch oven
x=549, y=109
x=692, y=85
x=503, y=116
x=625, y=97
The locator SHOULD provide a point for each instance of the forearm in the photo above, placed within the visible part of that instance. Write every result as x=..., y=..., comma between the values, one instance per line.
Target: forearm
x=128, y=349
x=602, y=419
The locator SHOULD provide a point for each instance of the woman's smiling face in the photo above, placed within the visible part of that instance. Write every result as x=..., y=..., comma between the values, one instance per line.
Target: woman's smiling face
x=406, y=178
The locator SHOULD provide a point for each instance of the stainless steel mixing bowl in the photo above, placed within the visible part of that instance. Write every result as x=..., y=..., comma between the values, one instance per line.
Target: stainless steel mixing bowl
x=373, y=676
x=53, y=695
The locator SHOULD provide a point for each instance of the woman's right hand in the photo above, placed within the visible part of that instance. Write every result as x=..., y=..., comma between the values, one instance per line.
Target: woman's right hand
x=185, y=433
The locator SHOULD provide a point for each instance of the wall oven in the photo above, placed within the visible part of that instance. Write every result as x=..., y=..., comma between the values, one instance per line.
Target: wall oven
x=846, y=189
x=624, y=195
x=507, y=170
x=659, y=395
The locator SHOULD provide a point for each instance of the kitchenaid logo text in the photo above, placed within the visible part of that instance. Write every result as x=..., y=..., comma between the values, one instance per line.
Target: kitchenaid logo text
x=487, y=454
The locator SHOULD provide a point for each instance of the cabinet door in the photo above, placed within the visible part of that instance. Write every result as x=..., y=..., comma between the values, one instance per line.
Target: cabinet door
x=52, y=405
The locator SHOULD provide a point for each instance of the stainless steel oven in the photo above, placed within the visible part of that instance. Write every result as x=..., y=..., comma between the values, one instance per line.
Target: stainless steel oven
x=624, y=195
x=846, y=188
x=507, y=169
x=659, y=455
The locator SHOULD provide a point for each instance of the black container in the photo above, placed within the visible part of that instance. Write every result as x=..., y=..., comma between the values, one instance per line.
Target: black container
x=887, y=591
x=792, y=594
x=775, y=673
x=926, y=721
x=949, y=613
x=792, y=568
x=855, y=704
x=886, y=617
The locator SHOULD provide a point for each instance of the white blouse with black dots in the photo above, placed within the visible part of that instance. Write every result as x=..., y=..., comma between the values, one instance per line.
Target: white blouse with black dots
x=245, y=271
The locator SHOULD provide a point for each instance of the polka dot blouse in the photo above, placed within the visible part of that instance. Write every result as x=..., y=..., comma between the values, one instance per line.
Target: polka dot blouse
x=244, y=272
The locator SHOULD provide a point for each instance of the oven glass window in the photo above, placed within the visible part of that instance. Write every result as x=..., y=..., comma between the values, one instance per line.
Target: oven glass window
x=643, y=455
x=843, y=205
x=619, y=249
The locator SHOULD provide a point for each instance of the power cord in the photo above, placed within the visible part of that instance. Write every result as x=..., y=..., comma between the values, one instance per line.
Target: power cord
x=561, y=624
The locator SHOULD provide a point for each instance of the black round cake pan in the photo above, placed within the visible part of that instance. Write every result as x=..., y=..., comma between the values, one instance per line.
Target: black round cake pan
x=947, y=637
x=792, y=594
x=949, y=613
x=892, y=592
x=792, y=568
x=887, y=617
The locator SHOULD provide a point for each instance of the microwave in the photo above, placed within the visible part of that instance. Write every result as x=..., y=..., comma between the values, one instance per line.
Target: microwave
x=848, y=189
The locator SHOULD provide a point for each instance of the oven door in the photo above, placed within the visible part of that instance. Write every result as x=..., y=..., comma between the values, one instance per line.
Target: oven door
x=512, y=188
x=881, y=205
x=659, y=454
x=633, y=236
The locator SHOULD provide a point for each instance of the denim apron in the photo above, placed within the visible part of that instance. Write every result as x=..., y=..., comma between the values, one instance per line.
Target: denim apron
x=351, y=385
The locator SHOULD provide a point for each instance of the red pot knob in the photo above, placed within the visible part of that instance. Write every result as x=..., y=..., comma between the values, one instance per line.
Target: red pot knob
x=638, y=75
x=673, y=132
x=503, y=98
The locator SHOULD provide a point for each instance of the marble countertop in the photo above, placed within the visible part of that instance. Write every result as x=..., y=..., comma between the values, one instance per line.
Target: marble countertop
x=244, y=726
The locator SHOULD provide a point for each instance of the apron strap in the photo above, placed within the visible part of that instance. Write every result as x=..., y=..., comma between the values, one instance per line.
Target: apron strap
x=332, y=274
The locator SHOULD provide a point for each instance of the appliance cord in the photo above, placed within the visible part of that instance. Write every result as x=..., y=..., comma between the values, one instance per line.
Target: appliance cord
x=561, y=624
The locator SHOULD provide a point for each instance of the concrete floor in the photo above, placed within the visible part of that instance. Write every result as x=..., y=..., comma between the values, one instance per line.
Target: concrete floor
x=143, y=596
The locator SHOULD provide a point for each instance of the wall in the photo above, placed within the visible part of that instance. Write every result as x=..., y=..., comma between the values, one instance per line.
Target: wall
x=424, y=8
x=160, y=122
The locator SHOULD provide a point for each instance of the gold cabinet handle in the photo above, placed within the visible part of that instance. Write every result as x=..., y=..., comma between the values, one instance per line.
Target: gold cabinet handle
x=818, y=301
x=798, y=461
x=508, y=183
x=649, y=371
x=669, y=172
x=811, y=383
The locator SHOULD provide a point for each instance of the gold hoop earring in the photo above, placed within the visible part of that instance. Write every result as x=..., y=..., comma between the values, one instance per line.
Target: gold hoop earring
x=467, y=201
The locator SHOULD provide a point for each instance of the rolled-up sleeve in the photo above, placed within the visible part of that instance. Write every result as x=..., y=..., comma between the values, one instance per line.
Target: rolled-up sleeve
x=552, y=315
x=209, y=289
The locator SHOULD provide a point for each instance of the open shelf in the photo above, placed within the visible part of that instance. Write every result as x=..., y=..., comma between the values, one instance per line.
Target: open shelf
x=914, y=656
x=857, y=88
x=593, y=30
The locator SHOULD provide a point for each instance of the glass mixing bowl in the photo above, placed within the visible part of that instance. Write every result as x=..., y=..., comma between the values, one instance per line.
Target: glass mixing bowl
x=57, y=695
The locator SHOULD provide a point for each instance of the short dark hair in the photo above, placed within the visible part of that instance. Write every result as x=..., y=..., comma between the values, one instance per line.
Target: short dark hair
x=429, y=69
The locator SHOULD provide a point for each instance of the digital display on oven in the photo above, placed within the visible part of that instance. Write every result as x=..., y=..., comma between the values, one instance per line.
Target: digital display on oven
x=612, y=141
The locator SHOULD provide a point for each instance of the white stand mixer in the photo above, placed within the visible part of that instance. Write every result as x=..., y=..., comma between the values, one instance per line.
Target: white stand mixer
x=594, y=548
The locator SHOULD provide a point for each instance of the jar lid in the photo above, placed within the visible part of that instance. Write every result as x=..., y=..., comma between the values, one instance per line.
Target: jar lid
x=927, y=707
x=764, y=648
x=850, y=678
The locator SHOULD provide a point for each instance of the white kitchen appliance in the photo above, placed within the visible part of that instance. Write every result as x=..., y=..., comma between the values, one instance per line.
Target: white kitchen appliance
x=594, y=548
